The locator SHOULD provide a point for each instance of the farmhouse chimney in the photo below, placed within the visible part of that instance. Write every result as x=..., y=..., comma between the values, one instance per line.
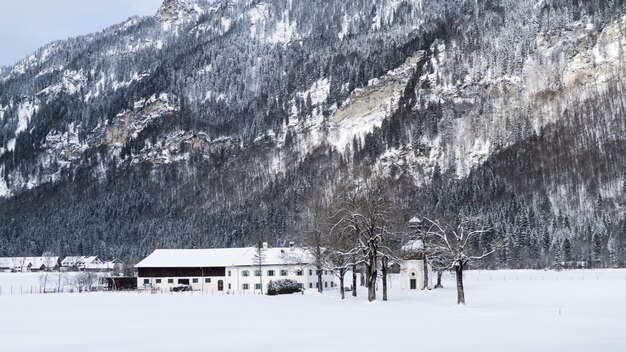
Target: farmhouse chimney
x=291, y=246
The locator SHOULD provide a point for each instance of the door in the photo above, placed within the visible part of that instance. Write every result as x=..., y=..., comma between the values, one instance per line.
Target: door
x=220, y=285
x=413, y=284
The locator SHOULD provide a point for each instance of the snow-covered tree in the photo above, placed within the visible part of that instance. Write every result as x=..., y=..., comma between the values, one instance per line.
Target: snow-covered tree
x=454, y=241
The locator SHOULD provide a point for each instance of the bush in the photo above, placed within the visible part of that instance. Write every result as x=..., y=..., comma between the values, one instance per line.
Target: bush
x=283, y=287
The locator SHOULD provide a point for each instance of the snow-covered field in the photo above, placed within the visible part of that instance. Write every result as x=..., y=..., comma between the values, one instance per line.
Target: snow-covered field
x=506, y=311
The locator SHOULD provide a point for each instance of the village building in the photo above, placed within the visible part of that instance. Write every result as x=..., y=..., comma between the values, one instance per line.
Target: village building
x=29, y=264
x=412, y=273
x=229, y=270
x=88, y=263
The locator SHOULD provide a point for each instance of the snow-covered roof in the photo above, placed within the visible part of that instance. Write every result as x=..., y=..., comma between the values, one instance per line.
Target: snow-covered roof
x=413, y=246
x=34, y=262
x=79, y=260
x=219, y=257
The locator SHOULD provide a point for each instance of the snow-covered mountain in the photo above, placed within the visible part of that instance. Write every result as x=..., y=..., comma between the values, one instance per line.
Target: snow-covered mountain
x=214, y=123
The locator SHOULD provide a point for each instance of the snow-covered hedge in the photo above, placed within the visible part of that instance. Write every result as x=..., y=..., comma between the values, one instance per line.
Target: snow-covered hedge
x=282, y=287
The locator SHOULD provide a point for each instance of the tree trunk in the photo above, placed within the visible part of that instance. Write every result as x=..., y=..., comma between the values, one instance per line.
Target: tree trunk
x=384, y=272
x=372, y=273
x=426, y=286
x=460, y=293
x=320, y=287
x=439, y=274
x=342, y=290
x=354, y=282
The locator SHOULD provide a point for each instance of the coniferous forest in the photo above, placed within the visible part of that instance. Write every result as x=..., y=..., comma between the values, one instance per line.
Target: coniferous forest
x=220, y=124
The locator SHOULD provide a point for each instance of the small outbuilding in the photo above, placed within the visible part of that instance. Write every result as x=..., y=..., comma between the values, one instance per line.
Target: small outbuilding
x=415, y=272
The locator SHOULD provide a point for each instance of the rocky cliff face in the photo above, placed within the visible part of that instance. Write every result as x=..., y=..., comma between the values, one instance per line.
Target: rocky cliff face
x=213, y=124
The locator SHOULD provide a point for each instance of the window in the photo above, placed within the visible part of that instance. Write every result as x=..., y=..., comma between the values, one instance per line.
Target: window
x=228, y=272
x=270, y=273
x=332, y=284
x=245, y=273
x=158, y=281
x=246, y=286
x=310, y=272
x=146, y=281
x=207, y=280
x=300, y=286
x=257, y=273
x=195, y=281
x=326, y=284
x=299, y=272
x=170, y=281
x=183, y=281
x=283, y=273
x=257, y=286
x=310, y=285
x=229, y=286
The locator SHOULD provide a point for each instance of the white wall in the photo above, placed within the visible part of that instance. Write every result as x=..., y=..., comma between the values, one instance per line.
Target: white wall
x=414, y=269
x=235, y=279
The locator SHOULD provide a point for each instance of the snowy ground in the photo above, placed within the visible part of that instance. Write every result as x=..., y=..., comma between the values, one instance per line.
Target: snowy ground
x=506, y=311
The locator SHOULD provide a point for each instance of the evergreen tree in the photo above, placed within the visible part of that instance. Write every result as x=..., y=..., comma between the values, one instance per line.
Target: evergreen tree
x=567, y=251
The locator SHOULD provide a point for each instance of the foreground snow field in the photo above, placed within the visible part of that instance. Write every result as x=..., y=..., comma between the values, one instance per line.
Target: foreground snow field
x=506, y=311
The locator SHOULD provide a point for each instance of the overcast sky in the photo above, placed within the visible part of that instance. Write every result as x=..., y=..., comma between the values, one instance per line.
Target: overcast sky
x=26, y=25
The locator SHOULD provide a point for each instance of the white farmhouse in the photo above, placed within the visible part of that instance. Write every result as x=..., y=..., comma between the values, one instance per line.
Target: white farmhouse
x=228, y=270
x=89, y=263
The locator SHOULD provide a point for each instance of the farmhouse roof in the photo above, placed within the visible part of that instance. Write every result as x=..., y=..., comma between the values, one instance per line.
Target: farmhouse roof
x=35, y=262
x=218, y=257
x=78, y=260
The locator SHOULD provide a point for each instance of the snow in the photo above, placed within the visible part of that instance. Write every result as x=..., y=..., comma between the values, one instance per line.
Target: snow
x=194, y=258
x=345, y=27
x=506, y=311
x=11, y=145
x=71, y=83
x=136, y=77
x=257, y=15
x=25, y=112
x=284, y=31
x=319, y=91
x=4, y=189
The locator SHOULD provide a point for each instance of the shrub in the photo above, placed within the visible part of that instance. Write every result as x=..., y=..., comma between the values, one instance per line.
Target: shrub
x=282, y=287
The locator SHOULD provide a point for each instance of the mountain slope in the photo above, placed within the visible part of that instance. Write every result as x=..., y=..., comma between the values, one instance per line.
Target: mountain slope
x=213, y=124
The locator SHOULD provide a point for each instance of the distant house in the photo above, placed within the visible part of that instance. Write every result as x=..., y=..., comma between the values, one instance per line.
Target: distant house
x=88, y=263
x=412, y=267
x=232, y=270
x=29, y=264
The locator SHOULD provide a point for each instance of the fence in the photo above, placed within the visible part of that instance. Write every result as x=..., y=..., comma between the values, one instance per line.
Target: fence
x=542, y=275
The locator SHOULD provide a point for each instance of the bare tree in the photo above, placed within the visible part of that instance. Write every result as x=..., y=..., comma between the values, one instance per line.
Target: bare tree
x=258, y=259
x=316, y=237
x=84, y=281
x=365, y=213
x=340, y=258
x=452, y=245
